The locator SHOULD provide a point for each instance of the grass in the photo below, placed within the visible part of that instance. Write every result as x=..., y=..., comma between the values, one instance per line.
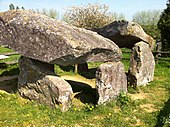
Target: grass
x=4, y=50
x=147, y=106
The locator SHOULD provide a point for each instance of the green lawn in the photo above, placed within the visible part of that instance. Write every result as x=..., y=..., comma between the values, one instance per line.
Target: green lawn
x=147, y=106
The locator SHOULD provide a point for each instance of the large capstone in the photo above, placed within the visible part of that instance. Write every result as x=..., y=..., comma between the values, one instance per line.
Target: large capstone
x=39, y=37
x=38, y=82
x=125, y=34
x=142, y=65
x=110, y=81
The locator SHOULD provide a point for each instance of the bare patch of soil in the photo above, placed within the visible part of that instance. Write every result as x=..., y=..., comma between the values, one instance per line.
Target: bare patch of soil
x=148, y=108
x=78, y=78
x=139, y=95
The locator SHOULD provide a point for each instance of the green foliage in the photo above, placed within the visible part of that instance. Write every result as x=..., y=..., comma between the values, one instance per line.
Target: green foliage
x=89, y=107
x=149, y=17
x=117, y=16
x=17, y=8
x=12, y=7
x=152, y=30
x=148, y=20
x=4, y=50
x=164, y=26
x=164, y=116
x=132, y=90
x=90, y=16
x=123, y=99
x=52, y=13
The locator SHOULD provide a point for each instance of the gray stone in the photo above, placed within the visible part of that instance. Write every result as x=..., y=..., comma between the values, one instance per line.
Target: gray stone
x=39, y=37
x=125, y=34
x=110, y=81
x=142, y=65
x=32, y=70
x=38, y=82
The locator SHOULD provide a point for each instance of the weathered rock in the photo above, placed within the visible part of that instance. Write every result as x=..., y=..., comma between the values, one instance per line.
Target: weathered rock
x=142, y=65
x=33, y=70
x=125, y=34
x=39, y=37
x=38, y=82
x=110, y=81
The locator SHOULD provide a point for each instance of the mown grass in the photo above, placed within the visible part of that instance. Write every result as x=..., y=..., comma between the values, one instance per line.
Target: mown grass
x=151, y=108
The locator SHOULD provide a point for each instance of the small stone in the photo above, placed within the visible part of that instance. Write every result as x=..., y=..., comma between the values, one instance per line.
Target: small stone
x=110, y=81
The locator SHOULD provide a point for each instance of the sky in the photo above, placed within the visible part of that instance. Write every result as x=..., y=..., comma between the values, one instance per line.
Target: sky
x=126, y=7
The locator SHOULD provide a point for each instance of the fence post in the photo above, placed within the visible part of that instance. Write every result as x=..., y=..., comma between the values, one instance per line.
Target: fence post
x=158, y=49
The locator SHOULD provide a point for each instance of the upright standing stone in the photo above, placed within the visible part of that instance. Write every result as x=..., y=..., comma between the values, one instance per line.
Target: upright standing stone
x=142, y=65
x=32, y=70
x=38, y=82
x=110, y=81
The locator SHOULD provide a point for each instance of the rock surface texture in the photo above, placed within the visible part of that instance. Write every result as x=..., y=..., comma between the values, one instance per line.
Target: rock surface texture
x=38, y=82
x=142, y=65
x=110, y=81
x=39, y=37
x=125, y=34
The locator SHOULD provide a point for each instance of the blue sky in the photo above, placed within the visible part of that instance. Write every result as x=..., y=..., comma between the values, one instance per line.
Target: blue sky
x=126, y=7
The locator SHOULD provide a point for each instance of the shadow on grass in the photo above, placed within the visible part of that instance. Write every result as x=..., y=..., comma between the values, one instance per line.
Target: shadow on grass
x=70, y=68
x=8, y=78
x=89, y=74
x=3, y=65
x=13, y=71
x=85, y=93
x=164, y=114
x=9, y=70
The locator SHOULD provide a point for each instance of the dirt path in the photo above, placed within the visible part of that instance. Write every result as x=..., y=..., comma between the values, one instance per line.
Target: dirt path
x=78, y=78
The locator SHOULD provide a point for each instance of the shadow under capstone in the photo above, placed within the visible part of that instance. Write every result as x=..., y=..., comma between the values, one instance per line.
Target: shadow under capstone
x=9, y=86
x=84, y=92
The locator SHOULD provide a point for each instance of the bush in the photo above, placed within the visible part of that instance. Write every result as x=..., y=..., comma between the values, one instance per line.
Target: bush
x=152, y=30
x=89, y=16
x=123, y=99
x=164, y=27
x=148, y=20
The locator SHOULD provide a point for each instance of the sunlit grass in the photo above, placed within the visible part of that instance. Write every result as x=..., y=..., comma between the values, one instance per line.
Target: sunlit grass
x=4, y=50
x=126, y=112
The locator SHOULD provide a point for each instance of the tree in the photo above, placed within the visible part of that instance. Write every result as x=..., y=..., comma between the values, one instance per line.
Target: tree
x=149, y=17
x=17, y=8
x=164, y=27
x=12, y=7
x=117, y=16
x=50, y=13
x=89, y=16
x=148, y=20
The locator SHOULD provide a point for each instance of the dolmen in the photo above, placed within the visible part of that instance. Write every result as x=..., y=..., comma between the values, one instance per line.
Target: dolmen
x=131, y=35
x=43, y=42
x=125, y=34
